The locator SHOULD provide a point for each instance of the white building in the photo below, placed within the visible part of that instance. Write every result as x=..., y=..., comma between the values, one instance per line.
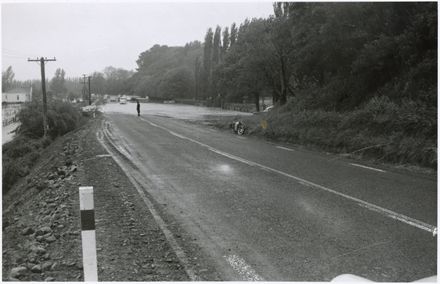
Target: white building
x=17, y=96
x=12, y=102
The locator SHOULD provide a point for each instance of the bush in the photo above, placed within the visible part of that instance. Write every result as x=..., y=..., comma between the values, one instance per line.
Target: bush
x=21, y=154
x=61, y=117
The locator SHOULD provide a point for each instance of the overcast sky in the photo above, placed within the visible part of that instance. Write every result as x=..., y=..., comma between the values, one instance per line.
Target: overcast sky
x=88, y=36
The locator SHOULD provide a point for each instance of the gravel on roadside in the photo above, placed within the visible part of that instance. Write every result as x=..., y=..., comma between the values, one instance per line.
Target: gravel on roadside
x=41, y=225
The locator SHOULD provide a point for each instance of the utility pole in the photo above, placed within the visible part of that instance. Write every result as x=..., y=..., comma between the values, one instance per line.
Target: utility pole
x=43, y=88
x=84, y=87
x=90, y=96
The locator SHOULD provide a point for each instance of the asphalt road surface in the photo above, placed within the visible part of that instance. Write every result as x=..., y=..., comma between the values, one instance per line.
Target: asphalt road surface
x=265, y=211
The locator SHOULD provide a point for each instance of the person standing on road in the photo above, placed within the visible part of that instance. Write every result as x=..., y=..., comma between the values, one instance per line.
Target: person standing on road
x=138, y=108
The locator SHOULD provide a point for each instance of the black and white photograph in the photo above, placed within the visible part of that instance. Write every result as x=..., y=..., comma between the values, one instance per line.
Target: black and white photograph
x=181, y=141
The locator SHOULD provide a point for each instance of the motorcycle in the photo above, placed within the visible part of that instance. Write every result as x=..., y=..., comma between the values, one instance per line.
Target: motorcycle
x=238, y=127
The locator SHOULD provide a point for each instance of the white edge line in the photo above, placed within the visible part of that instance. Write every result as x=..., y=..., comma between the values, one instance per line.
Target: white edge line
x=285, y=148
x=386, y=212
x=365, y=167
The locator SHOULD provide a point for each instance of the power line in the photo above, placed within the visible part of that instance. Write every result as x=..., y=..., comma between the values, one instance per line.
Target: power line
x=42, y=60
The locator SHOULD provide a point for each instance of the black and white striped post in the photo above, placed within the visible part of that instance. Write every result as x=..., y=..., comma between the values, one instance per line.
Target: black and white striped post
x=86, y=206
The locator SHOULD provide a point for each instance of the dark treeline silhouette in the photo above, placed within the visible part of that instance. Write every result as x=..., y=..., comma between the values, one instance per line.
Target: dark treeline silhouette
x=334, y=56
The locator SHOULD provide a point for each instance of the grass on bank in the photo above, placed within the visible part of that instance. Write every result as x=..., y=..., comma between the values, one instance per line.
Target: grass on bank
x=21, y=154
x=382, y=130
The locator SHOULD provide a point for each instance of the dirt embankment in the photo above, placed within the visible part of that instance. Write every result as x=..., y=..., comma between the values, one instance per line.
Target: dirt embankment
x=41, y=225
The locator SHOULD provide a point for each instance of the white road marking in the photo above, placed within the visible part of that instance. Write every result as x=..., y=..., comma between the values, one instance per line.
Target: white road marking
x=103, y=156
x=383, y=211
x=285, y=148
x=370, y=168
x=239, y=265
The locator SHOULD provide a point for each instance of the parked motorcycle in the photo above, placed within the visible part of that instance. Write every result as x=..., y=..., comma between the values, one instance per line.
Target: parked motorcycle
x=238, y=127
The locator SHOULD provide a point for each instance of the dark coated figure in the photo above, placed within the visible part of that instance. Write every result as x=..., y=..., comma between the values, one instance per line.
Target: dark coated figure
x=138, y=108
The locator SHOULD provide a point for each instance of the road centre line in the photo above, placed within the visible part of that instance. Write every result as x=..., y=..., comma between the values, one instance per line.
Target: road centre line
x=383, y=211
x=365, y=167
x=285, y=148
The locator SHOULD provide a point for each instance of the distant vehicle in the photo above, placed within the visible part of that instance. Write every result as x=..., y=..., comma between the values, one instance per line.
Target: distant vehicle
x=122, y=101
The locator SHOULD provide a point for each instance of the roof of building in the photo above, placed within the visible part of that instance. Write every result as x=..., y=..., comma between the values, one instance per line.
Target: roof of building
x=18, y=91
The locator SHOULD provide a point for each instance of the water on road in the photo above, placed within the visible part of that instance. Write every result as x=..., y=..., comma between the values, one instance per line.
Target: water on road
x=171, y=110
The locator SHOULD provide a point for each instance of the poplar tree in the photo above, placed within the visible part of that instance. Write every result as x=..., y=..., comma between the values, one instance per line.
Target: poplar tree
x=57, y=85
x=197, y=70
x=226, y=41
x=216, y=46
x=207, y=61
x=233, y=36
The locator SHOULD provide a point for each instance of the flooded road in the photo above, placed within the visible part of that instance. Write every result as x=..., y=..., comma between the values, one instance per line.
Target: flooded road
x=178, y=111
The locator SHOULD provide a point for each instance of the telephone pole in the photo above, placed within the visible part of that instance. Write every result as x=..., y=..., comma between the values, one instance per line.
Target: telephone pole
x=84, y=87
x=43, y=89
x=90, y=96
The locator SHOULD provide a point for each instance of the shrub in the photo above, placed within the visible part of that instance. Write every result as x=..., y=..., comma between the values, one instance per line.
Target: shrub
x=22, y=153
x=61, y=117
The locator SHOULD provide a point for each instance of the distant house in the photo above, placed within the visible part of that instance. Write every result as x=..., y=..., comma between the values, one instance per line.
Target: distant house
x=19, y=95
x=12, y=102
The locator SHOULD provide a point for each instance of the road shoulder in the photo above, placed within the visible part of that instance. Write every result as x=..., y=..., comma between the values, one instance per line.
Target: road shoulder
x=41, y=234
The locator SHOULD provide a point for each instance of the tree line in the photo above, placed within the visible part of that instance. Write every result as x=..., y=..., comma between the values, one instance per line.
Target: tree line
x=334, y=56
x=112, y=81
x=330, y=56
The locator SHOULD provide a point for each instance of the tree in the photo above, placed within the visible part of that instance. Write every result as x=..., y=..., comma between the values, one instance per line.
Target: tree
x=233, y=36
x=207, y=62
x=283, y=47
x=98, y=83
x=216, y=46
x=177, y=83
x=197, y=76
x=226, y=41
x=7, y=79
x=155, y=63
x=57, y=84
x=117, y=80
x=244, y=69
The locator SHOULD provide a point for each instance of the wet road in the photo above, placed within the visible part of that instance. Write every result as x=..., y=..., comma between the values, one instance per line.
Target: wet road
x=267, y=211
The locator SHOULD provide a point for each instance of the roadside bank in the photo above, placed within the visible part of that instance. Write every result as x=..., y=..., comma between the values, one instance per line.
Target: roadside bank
x=41, y=225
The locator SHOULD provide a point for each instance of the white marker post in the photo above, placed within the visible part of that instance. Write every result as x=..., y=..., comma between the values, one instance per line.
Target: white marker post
x=86, y=206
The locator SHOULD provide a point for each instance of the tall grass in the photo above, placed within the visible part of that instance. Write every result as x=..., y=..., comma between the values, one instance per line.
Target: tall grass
x=403, y=133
